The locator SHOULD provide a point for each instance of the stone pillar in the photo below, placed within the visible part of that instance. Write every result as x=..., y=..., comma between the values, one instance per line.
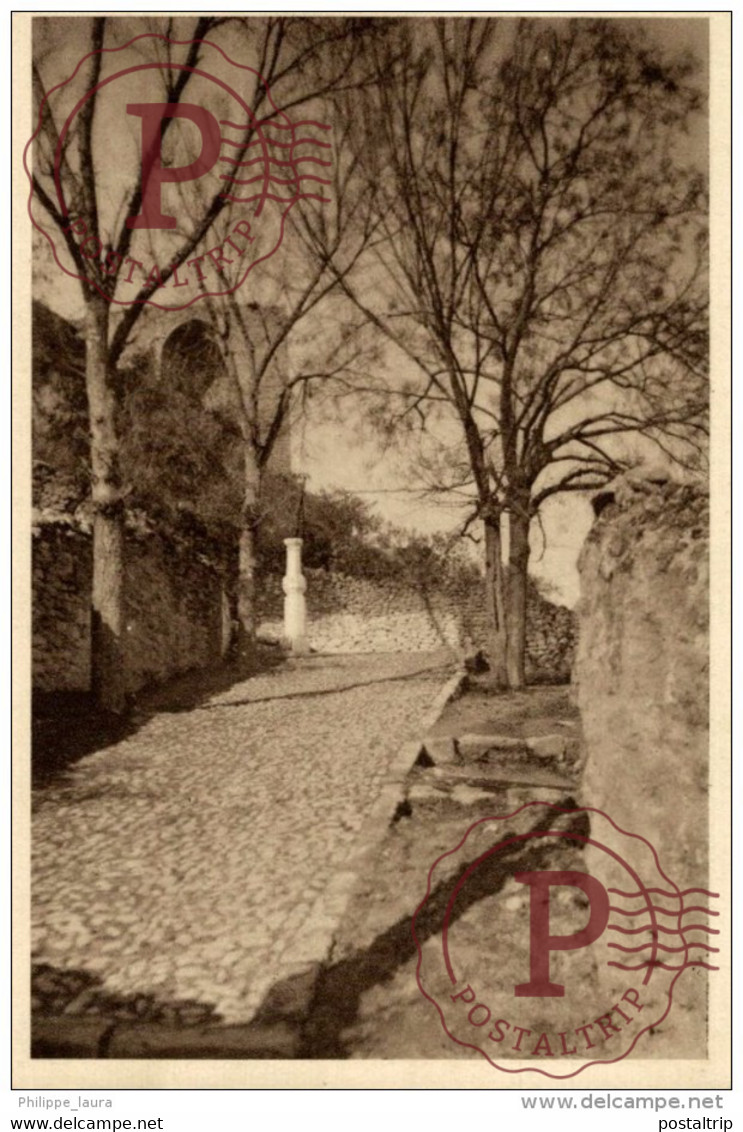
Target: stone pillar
x=294, y=586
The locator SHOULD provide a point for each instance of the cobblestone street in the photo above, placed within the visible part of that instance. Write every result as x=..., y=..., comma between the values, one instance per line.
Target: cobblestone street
x=187, y=863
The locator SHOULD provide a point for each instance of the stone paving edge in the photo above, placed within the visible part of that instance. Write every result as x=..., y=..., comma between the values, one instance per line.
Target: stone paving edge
x=332, y=903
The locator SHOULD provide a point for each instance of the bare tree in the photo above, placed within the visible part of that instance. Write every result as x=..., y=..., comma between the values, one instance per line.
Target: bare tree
x=543, y=273
x=298, y=60
x=295, y=346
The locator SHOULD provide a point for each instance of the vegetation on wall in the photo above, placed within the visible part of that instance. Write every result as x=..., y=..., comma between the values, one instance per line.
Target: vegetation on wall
x=184, y=464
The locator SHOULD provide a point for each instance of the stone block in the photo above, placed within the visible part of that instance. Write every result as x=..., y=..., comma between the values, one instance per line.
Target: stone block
x=474, y=746
x=289, y=999
x=547, y=746
x=424, y=792
x=440, y=750
x=497, y=777
x=69, y=1036
x=466, y=795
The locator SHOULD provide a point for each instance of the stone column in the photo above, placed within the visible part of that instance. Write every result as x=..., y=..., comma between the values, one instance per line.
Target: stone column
x=294, y=586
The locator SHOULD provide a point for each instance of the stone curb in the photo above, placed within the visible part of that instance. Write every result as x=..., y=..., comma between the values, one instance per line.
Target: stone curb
x=62, y=1038
x=332, y=903
x=392, y=792
x=276, y=1030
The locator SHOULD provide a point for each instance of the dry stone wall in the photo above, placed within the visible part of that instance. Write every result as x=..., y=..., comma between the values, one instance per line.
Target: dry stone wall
x=349, y=614
x=62, y=572
x=175, y=611
x=177, y=617
x=642, y=676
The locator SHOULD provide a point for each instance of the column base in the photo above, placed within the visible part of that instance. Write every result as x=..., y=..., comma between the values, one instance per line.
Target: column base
x=297, y=646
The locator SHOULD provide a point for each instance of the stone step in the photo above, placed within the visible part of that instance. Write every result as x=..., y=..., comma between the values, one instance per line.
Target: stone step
x=495, y=776
x=487, y=747
x=471, y=783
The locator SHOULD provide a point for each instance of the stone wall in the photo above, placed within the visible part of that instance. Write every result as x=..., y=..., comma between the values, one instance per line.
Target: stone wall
x=176, y=616
x=61, y=608
x=349, y=614
x=642, y=674
x=174, y=609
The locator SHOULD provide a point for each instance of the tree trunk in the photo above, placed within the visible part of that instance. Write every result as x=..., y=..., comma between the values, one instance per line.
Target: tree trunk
x=107, y=659
x=247, y=561
x=518, y=565
x=494, y=601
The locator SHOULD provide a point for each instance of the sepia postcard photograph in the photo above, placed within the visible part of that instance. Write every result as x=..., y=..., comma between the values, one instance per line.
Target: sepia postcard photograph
x=372, y=421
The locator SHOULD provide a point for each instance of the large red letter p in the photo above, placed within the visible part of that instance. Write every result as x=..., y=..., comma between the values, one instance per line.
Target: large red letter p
x=154, y=173
x=542, y=943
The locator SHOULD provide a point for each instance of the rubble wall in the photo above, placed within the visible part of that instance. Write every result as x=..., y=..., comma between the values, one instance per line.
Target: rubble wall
x=349, y=614
x=174, y=613
x=176, y=616
x=642, y=672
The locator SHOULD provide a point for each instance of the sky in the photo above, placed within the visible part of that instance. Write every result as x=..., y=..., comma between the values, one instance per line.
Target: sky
x=335, y=455
x=334, y=459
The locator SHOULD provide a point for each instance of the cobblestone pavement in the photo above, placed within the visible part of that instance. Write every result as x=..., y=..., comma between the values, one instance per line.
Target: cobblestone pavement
x=187, y=863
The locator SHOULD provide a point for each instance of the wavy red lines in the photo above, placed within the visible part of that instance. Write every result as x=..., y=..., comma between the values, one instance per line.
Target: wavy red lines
x=662, y=947
x=274, y=180
x=251, y=125
x=681, y=931
x=272, y=141
x=277, y=125
x=663, y=892
x=279, y=200
x=273, y=161
x=665, y=966
x=667, y=931
x=266, y=160
x=664, y=911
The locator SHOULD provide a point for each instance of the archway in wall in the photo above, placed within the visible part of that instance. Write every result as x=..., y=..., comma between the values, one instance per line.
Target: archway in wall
x=190, y=361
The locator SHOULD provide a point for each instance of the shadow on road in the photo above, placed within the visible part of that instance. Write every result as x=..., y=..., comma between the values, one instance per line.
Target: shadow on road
x=341, y=985
x=66, y=726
